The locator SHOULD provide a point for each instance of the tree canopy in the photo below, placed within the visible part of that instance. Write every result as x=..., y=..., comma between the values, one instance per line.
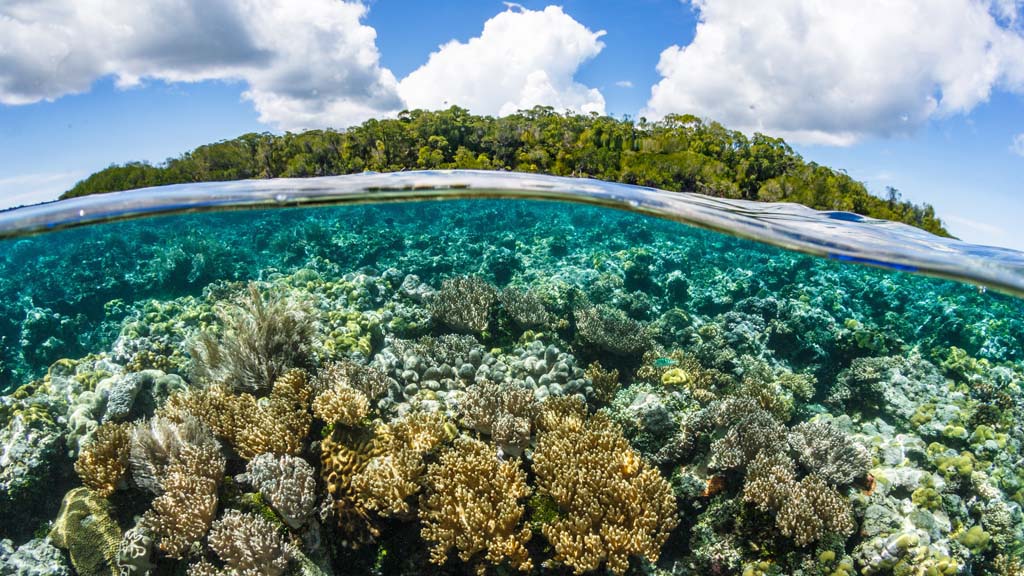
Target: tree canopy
x=679, y=152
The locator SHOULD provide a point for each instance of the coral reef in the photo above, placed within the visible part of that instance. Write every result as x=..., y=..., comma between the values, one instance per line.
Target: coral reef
x=605, y=330
x=262, y=337
x=464, y=304
x=37, y=557
x=474, y=505
x=613, y=504
x=86, y=529
x=103, y=462
x=249, y=545
x=287, y=483
x=504, y=412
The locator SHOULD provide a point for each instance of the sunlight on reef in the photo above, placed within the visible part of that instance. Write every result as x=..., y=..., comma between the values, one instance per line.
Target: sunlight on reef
x=496, y=387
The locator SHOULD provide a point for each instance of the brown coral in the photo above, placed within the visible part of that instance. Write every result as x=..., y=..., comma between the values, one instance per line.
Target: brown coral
x=103, y=461
x=343, y=454
x=278, y=425
x=341, y=404
x=249, y=545
x=613, y=504
x=605, y=382
x=503, y=411
x=474, y=505
x=372, y=382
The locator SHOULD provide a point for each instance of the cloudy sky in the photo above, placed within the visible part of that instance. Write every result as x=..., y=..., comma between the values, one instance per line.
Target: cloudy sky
x=923, y=95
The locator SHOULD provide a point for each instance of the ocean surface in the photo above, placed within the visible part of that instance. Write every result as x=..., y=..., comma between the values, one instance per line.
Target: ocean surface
x=491, y=373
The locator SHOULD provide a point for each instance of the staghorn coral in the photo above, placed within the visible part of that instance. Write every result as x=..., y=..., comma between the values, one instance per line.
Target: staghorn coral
x=279, y=424
x=525, y=309
x=85, y=527
x=103, y=462
x=503, y=411
x=805, y=510
x=605, y=330
x=287, y=483
x=341, y=404
x=474, y=505
x=464, y=304
x=188, y=465
x=612, y=504
x=263, y=336
x=829, y=453
x=249, y=545
x=372, y=382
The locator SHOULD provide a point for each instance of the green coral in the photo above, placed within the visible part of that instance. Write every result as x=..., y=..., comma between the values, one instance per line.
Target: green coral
x=86, y=529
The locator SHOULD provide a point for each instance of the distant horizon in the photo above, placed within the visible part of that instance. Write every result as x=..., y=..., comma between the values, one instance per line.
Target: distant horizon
x=940, y=118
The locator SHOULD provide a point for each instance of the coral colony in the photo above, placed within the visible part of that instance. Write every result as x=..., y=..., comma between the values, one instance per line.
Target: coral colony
x=496, y=387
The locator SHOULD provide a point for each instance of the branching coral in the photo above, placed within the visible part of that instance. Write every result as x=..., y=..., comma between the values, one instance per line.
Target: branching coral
x=366, y=379
x=805, y=510
x=474, y=505
x=262, y=338
x=464, y=304
x=606, y=330
x=503, y=411
x=249, y=545
x=103, y=461
x=612, y=504
x=829, y=453
x=287, y=483
x=182, y=514
x=279, y=424
x=394, y=475
x=525, y=309
x=341, y=404
x=749, y=430
x=158, y=442
x=605, y=382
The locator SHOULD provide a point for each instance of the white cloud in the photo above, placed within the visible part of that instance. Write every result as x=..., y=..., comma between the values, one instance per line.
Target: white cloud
x=836, y=71
x=310, y=63
x=624, y=84
x=521, y=59
x=26, y=189
x=1017, y=147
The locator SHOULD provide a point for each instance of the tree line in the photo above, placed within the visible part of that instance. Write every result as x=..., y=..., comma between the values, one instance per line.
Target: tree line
x=679, y=152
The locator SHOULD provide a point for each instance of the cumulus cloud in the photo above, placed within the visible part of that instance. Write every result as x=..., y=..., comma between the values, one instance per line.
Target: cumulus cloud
x=1017, y=146
x=836, y=71
x=521, y=59
x=310, y=63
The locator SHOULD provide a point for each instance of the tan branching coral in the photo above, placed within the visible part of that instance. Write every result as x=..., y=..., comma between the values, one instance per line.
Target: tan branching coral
x=103, y=462
x=503, y=411
x=805, y=510
x=249, y=545
x=341, y=404
x=393, y=476
x=183, y=513
x=158, y=442
x=372, y=382
x=474, y=505
x=263, y=336
x=562, y=413
x=612, y=504
x=605, y=382
x=278, y=424
x=464, y=304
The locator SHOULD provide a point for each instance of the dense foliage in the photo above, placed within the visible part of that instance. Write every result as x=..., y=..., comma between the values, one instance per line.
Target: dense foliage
x=676, y=153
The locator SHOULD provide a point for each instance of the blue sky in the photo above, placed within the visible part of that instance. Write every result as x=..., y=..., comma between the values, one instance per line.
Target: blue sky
x=848, y=82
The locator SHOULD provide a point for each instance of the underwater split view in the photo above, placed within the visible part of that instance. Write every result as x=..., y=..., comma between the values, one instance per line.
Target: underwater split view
x=468, y=380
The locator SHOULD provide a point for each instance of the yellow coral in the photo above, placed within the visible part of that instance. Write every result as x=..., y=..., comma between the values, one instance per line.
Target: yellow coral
x=614, y=505
x=343, y=454
x=87, y=530
x=341, y=404
x=474, y=506
x=103, y=461
x=278, y=425
x=605, y=382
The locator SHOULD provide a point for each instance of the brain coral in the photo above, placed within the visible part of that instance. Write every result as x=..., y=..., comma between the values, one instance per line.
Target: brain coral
x=612, y=504
x=474, y=505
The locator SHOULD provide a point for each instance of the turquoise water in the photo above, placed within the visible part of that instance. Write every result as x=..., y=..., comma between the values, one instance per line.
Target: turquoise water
x=500, y=386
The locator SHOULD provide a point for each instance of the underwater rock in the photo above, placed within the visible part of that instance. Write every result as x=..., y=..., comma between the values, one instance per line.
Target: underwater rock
x=30, y=448
x=136, y=394
x=37, y=557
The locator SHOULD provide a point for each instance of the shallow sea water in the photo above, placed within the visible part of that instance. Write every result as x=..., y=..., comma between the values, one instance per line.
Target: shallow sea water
x=480, y=376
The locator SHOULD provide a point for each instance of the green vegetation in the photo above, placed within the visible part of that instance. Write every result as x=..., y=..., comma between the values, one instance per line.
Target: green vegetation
x=676, y=153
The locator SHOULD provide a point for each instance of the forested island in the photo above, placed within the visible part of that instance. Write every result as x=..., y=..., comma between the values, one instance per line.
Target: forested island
x=679, y=153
